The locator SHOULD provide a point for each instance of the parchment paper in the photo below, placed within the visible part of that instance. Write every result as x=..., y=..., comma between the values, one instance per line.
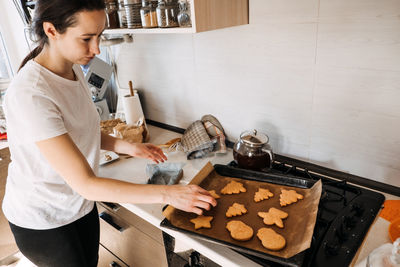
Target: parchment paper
x=298, y=227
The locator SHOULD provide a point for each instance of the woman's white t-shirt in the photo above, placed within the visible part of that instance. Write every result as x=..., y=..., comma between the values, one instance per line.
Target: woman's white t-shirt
x=40, y=105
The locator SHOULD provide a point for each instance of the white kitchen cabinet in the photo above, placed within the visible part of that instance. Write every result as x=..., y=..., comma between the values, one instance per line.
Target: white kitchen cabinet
x=206, y=15
x=7, y=243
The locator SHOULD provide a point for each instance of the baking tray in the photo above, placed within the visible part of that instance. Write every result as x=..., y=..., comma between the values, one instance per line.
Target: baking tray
x=282, y=180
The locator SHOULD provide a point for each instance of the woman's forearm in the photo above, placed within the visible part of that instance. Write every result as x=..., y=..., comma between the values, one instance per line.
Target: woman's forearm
x=110, y=190
x=114, y=144
x=190, y=198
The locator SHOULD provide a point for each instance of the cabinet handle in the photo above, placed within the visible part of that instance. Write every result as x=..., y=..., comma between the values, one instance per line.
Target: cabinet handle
x=113, y=206
x=114, y=264
x=109, y=219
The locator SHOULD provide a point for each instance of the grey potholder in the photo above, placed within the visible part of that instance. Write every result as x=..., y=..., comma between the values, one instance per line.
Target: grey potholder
x=164, y=173
x=196, y=142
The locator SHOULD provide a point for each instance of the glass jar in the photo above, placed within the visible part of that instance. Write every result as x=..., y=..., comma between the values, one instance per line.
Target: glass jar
x=148, y=15
x=112, y=14
x=132, y=9
x=167, y=14
x=252, y=151
x=122, y=14
x=184, y=14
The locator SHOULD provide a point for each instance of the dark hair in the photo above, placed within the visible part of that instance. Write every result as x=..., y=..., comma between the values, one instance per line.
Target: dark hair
x=61, y=13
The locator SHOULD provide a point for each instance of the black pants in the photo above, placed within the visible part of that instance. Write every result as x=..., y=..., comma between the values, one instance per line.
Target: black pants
x=72, y=245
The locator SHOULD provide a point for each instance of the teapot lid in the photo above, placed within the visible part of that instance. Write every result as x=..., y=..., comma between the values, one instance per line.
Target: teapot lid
x=254, y=138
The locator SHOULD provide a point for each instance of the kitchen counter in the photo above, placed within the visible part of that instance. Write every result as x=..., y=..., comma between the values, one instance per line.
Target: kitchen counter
x=134, y=170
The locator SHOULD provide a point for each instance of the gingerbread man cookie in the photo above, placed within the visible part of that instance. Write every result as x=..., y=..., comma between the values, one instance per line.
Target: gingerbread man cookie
x=239, y=230
x=273, y=216
x=233, y=188
x=270, y=239
x=288, y=197
x=202, y=221
x=235, y=210
x=262, y=194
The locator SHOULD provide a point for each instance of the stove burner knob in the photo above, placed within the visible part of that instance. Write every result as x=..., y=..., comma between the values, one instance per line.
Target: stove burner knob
x=332, y=249
x=349, y=222
x=358, y=208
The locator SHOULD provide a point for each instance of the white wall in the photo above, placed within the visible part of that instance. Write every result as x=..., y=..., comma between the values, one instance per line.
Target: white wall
x=320, y=77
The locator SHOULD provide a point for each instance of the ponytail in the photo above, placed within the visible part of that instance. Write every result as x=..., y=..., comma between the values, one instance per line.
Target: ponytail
x=34, y=53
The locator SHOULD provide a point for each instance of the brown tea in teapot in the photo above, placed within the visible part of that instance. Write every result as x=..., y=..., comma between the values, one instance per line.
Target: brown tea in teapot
x=255, y=162
x=252, y=151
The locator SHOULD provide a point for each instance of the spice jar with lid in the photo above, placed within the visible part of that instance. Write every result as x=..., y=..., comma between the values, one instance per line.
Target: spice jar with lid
x=184, y=14
x=148, y=15
x=112, y=14
x=132, y=9
x=122, y=14
x=167, y=14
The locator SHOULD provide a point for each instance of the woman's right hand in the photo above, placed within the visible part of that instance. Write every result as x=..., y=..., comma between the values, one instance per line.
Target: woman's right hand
x=190, y=198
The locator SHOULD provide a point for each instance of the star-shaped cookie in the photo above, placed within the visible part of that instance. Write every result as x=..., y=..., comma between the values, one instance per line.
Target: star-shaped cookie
x=202, y=221
x=213, y=194
x=235, y=210
x=262, y=194
x=288, y=197
x=273, y=216
x=233, y=188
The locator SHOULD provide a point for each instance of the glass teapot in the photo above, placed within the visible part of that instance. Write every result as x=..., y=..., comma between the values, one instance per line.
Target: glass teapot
x=252, y=151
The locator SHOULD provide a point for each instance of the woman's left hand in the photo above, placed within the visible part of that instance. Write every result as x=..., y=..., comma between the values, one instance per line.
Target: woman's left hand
x=148, y=151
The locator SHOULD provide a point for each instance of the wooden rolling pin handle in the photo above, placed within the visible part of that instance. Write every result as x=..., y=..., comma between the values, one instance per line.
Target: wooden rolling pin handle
x=131, y=88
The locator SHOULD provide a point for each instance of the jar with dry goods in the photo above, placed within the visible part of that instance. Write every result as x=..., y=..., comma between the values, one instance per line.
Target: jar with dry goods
x=148, y=15
x=132, y=9
x=122, y=14
x=167, y=14
x=112, y=14
x=184, y=14
x=252, y=151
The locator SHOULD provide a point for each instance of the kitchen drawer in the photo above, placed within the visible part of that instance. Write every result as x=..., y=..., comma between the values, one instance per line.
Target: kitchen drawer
x=107, y=259
x=131, y=238
x=134, y=220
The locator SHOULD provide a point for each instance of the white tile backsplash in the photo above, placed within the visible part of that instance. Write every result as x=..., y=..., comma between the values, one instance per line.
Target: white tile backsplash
x=320, y=77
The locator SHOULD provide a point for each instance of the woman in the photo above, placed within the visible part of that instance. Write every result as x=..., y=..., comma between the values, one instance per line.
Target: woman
x=55, y=141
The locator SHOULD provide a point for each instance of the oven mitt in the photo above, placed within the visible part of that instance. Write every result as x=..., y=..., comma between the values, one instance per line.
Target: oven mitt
x=196, y=142
x=216, y=131
x=164, y=173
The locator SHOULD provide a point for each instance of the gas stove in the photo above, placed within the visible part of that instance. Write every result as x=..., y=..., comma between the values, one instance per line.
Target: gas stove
x=345, y=213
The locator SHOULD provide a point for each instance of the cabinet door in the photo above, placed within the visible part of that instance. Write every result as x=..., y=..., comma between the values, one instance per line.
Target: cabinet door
x=127, y=242
x=107, y=259
x=7, y=242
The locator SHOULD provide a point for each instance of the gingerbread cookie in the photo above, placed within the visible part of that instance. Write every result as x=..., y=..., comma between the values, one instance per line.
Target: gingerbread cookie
x=235, y=210
x=270, y=239
x=262, y=194
x=202, y=221
x=239, y=230
x=273, y=216
x=233, y=188
x=288, y=197
x=213, y=194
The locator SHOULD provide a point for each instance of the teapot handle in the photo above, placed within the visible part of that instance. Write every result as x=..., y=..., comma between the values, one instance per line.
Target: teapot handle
x=268, y=150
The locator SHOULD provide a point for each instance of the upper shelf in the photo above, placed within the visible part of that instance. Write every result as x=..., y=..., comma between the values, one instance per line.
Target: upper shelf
x=206, y=15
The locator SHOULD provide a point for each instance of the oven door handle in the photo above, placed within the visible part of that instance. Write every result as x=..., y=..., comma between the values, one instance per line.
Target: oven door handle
x=109, y=219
